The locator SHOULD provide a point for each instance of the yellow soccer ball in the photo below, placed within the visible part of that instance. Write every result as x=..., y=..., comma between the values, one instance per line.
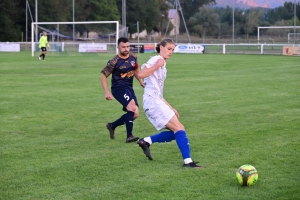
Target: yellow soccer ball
x=247, y=175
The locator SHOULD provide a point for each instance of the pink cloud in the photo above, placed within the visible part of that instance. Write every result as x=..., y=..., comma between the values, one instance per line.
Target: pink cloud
x=253, y=3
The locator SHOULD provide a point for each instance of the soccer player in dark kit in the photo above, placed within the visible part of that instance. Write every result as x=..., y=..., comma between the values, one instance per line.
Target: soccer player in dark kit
x=123, y=67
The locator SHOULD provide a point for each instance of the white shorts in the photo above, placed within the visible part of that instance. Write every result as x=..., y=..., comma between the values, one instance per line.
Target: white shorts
x=157, y=111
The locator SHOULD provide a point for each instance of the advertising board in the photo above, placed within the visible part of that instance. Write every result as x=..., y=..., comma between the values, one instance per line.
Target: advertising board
x=291, y=51
x=92, y=47
x=189, y=48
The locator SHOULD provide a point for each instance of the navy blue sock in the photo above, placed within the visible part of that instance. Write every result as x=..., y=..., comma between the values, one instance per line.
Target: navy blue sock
x=183, y=144
x=129, y=122
x=119, y=121
x=165, y=136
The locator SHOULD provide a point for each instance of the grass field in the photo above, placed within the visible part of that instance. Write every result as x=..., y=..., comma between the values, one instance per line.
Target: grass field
x=237, y=109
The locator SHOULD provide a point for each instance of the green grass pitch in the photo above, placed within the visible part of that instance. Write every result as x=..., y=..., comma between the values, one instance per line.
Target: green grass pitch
x=237, y=109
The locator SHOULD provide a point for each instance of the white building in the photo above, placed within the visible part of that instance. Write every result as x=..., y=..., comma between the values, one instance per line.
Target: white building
x=175, y=19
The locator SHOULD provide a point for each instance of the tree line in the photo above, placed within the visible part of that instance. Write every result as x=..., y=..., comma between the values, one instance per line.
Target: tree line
x=217, y=22
x=202, y=17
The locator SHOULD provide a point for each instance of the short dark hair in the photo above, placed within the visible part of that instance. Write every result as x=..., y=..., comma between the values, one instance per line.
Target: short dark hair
x=123, y=39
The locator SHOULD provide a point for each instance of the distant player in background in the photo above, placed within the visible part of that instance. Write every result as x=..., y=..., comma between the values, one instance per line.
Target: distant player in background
x=159, y=112
x=43, y=43
x=123, y=68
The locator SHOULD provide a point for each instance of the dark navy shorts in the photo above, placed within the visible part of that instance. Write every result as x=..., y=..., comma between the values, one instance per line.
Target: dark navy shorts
x=43, y=49
x=124, y=96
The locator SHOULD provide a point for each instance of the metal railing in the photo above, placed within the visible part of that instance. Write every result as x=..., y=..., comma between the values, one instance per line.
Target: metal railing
x=242, y=48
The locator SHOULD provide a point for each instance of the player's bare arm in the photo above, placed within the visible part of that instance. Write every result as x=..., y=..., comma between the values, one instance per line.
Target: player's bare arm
x=108, y=95
x=145, y=72
x=136, y=73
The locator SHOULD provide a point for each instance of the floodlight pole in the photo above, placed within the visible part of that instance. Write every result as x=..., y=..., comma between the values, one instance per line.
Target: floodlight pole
x=294, y=21
x=177, y=6
x=169, y=21
x=36, y=20
x=187, y=32
x=176, y=22
x=123, y=17
x=28, y=10
x=138, y=31
x=73, y=21
x=233, y=21
x=26, y=23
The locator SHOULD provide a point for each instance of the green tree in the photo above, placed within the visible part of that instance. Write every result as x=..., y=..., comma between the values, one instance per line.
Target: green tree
x=190, y=8
x=226, y=21
x=297, y=22
x=280, y=32
x=85, y=10
x=51, y=11
x=163, y=10
x=252, y=20
x=149, y=16
x=94, y=10
x=285, y=12
x=205, y=21
x=10, y=16
x=135, y=12
x=153, y=15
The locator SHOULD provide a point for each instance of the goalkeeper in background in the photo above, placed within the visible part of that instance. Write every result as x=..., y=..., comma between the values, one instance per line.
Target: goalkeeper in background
x=42, y=45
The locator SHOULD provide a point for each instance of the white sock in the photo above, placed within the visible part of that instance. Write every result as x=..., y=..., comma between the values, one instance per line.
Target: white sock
x=187, y=160
x=148, y=139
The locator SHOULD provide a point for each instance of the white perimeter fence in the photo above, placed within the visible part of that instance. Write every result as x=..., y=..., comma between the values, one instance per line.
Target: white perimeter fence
x=242, y=48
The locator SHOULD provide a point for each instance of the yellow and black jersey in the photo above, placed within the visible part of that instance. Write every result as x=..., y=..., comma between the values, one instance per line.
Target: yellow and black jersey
x=122, y=70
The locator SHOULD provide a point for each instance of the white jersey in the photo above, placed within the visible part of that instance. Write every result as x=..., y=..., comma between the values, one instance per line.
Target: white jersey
x=154, y=84
x=156, y=110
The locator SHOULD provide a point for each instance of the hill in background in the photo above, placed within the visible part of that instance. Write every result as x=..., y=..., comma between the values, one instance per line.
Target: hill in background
x=246, y=4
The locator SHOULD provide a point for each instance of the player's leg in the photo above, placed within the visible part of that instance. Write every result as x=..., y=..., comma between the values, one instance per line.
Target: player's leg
x=144, y=143
x=40, y=56
x=165, y=136
x=44, y=53
x=124, y=119
x=132, y=114
x=127, y=98
x=159, y=114
x=165, y=117
x=111, y=126
x=182, y=142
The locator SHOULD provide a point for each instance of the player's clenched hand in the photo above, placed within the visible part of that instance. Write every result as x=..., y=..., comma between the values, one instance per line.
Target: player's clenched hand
x=108, y=96
x=142, y=84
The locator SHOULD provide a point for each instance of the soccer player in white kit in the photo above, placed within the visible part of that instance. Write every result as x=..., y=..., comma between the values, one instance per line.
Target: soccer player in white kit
x=159, y=112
